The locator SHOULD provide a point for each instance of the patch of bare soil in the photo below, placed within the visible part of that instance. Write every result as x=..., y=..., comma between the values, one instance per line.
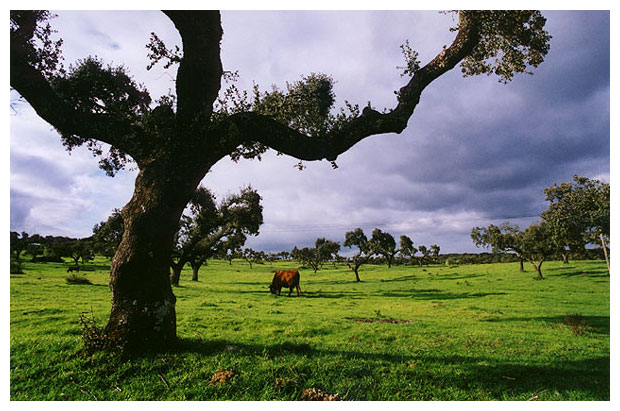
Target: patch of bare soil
x=378, y=320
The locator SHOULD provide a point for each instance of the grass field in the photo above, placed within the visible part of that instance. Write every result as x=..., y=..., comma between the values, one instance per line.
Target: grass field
x=479, y=332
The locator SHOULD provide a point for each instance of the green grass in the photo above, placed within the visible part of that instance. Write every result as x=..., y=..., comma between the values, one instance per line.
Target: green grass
x=480, y=332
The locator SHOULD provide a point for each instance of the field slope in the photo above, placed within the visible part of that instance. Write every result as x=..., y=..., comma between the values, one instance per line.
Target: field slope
x=479, y=332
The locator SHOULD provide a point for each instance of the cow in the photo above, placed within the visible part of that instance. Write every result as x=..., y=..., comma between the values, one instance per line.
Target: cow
x=284, y=278
x=73, y=268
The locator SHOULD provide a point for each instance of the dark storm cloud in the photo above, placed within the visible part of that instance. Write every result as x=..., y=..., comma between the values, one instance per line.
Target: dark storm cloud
x=492, y=148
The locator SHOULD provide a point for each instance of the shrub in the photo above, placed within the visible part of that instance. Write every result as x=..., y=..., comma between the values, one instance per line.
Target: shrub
x=74, y=279
x=93, y=335
x=16, y=267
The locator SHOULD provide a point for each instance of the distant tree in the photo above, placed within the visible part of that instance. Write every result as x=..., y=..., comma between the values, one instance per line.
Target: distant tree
x=252, y=257
x=211, y=229
x=35, y=250
x=176, y=141
x=357, y=238
x=423, y=259
x=383, y=244
x=538, y=245
x=81, y=249
x=579, y=213
x=434, y=250
x=307, y=256
x=503, y=238
x=107, y=235
x=407, y=250
x=18, y=244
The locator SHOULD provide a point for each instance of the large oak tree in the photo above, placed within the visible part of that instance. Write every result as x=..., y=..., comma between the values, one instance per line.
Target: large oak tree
x=175, y=141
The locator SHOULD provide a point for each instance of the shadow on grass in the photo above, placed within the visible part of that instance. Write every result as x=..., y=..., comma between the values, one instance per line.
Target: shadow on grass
x=563, y=272
x=591, y=323
x=500, y=378
x=434, y=294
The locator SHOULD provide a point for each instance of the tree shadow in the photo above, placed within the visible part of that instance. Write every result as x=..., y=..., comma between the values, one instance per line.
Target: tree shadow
x=434, y=294
x=597, y=324
x=495, y=377
x=575, y=272
x=328, y=294
x=456, y=276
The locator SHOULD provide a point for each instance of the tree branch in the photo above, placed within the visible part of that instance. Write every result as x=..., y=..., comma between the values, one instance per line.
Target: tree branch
x=200, y=70
x=247, y=127
x=36, y=89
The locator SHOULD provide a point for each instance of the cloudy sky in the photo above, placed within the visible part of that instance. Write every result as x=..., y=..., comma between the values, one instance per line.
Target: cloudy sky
x=475, y=152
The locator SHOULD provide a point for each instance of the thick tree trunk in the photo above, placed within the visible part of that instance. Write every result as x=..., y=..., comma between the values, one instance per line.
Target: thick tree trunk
x=565, y=258
x=606, y=255
x=143, y=306
x=521, y=264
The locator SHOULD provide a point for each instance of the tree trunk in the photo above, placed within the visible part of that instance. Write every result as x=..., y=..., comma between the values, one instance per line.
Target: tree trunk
x=605, y=251
x=521, y=264
x=538, y=269
x=176, y=272
x=195, y=267
x=565, y=258
x=143, y=306
x=357, y=277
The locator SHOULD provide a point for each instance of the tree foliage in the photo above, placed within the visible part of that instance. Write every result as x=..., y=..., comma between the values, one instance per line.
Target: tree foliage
x=210, y=229
x=383, y=243
x=510, y=42
x=578, y=213
x=107, y=234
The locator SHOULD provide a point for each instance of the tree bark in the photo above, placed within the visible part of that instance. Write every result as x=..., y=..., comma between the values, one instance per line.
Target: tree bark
x=565, y=258
x=143, y=306
x=521, y=264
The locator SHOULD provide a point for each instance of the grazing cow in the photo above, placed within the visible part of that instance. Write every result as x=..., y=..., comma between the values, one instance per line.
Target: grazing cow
x=283, y=278
x=73, y=268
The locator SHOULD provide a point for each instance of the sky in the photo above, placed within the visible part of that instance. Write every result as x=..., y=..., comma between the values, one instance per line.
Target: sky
x=476, y=152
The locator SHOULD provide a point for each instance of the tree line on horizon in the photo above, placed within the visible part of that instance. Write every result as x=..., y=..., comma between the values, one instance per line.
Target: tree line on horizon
x=577, y=218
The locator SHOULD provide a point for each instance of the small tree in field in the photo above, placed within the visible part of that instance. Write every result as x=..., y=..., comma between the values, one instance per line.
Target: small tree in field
x=383, y=244
x=357, y=238
x=503, y=238
x=579, y=213
x=252, y=257
x=537, y=244
x=407, y=250
x=175, y=141
x=210, y=228
x=434, y=250
x=423, y=259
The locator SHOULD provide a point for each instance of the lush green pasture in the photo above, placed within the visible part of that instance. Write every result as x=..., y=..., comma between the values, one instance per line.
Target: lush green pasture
x=483, y=332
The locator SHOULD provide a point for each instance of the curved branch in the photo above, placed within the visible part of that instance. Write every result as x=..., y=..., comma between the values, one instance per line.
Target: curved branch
x=200, y=70
x=247, y=127
x=36, y=89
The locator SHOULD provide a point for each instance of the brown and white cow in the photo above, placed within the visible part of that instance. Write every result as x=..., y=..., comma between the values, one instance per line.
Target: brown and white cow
x=285, y=278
